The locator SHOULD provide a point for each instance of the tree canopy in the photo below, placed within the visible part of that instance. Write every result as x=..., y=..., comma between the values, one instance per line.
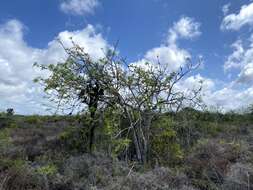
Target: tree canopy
x=137, y=91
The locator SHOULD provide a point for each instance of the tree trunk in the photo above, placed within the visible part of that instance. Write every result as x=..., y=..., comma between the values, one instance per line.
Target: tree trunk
x=145, y=127
x=92, y=128
x=91, y=137
x=141, y=136
x=137, y=145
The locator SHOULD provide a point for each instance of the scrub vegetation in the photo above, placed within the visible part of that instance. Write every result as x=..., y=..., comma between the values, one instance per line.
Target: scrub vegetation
x=125, y=127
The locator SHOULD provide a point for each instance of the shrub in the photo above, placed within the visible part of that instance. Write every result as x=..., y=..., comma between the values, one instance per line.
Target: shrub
x=24, y=179
x=157, y=179
x=239, y=177
x=96, y=170
x=164, y=144
x=33, y=119
x=10, y=112
x=13, y=125
x=210, y=161
x=47, y=170
x=5, y=140
x=15, y=164
x=114, y=133
x=74, y=139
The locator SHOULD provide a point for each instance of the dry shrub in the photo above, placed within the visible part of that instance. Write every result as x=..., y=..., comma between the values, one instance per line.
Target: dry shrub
x=239, y=177
x=22, y=180
x=92, y=170
x=209, y=163
x=29, y=178
x=157, y=179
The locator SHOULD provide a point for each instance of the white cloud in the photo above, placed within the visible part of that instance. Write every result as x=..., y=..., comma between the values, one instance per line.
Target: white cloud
x=239, y=92
x=236, y=21
x=17, y=58
x=79, y=7
x=241, y=60
x=231, y=99
x=225, y=8
x=92, y=42
x=225, y=98
x=246, y=74
x=196, y=81
x=169, y=54
x=185, y=28
x=234, y=60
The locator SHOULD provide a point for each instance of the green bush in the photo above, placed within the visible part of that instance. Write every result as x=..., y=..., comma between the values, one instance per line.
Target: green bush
x=113, y=133
x=74, y=139
x=17, y=164
x=33, y=119
x=5, y=139
x=47, y=170
x=13, y=125
x=164, y=144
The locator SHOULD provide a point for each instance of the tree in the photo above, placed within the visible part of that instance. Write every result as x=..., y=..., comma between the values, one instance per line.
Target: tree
x=140, y=92
x=10, y=111
x=149, y=90
x=78, y=83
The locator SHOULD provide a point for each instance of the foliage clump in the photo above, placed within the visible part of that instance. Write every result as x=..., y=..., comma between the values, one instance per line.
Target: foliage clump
x=165, y=146
x=10, y=112
x=74, y=139
x=47, y=170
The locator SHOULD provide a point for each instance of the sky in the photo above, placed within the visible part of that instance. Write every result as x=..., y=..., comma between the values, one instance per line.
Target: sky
x=217, y=31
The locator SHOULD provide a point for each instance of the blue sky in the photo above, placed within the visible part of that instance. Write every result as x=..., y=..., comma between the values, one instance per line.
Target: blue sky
x=218, y=30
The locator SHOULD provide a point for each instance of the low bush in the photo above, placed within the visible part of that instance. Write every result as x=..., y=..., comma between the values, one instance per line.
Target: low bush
x=165, y=148
x=210, y=161
x=74, y=139
x=48, y=170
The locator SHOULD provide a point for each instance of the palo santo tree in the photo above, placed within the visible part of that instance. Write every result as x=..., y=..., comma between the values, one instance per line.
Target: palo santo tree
x=139, y=92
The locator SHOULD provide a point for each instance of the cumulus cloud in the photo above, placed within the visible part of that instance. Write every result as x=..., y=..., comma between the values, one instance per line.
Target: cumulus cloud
x=239, y=93
x=169, y=54
x=225, y=8
x=197, y=81
x=236, y=21
x=227, y=98
x=246, y=74
x=185, y=28
x=92, y=42
x=17, y=58
x=79, y=7
x=224, y=98
x=241, y=60
x=234, y=60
